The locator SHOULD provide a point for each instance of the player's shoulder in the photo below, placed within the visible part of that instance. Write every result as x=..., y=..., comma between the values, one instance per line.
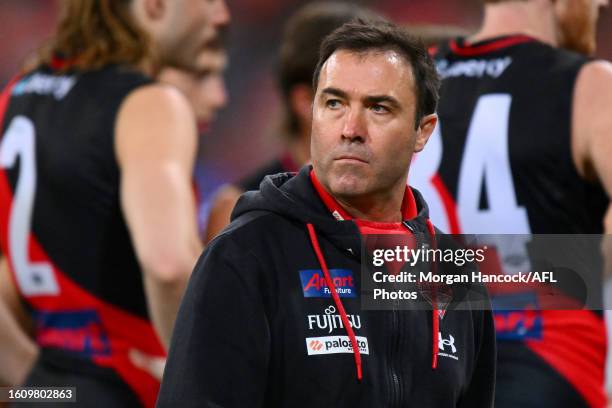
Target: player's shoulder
x=594, y=86
x=593, y=90
x=158, y=95
x=597, y=72
x=156, y=103
x=155, y=121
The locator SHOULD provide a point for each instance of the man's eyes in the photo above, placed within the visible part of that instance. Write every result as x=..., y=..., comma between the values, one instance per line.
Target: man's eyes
x=376, y=108
x=333, y=103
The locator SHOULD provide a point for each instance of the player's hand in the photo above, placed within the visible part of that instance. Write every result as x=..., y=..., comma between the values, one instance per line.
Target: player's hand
x=153, y=365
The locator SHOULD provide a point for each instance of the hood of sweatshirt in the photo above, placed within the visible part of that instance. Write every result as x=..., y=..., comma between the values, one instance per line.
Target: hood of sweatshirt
x=294, y=197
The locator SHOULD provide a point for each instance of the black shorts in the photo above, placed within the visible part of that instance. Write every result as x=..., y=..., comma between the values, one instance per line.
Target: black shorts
x=95, y=386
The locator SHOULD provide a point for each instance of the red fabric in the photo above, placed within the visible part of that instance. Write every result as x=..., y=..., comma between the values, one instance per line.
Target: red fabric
x=330, y=284
x=4, y=99
x=58, y=63
x=467, y=50
x=123, y=330
x=409, y=211
x=450, y=206
x=573, y=355
x=435, y=319
x=397, y=229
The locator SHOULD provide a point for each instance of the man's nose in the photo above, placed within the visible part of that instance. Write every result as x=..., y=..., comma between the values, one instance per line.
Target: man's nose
x=354, y=125
x=221, y=15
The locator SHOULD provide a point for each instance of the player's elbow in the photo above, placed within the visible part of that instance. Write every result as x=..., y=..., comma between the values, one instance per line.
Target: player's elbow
x=168, y=268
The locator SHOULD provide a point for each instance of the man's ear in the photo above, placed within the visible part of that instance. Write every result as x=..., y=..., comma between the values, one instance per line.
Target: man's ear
x=155, y=9
x=424, y=131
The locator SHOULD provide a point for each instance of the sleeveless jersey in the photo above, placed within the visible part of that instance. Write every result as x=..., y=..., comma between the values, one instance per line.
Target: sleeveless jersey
x=500, y=162
x=61, y=224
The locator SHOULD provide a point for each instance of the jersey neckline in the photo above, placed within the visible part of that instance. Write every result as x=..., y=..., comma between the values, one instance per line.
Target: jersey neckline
x=461, y=47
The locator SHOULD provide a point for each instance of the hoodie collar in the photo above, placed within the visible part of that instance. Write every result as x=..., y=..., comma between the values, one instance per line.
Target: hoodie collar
x=294, y=197
x=408, y=210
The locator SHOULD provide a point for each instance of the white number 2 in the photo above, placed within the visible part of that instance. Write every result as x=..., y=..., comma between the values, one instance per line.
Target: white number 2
x=34, y=278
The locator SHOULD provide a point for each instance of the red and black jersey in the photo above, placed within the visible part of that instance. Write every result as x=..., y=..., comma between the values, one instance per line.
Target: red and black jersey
x=500, y=162
x=61, y=223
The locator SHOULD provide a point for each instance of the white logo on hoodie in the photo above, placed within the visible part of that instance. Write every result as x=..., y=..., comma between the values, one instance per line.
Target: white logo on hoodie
x=445, y=345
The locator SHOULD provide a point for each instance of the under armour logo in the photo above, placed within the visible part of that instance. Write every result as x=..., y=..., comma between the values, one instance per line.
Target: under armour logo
x=442, y=342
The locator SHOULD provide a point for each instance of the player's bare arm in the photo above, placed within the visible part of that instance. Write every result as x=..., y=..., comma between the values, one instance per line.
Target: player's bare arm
x=18, y=349
x=156, y=142
x=592, y=133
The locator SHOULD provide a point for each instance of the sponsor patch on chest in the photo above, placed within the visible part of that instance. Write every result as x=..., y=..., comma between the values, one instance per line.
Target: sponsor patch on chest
x=314, y=284
x=335, y=345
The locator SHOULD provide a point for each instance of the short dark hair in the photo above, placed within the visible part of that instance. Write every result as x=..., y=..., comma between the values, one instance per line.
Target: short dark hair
x=363, y=36
x=302, y=37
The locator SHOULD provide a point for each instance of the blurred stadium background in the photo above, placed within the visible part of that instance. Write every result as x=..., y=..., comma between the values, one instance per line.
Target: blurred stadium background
x=246, y=133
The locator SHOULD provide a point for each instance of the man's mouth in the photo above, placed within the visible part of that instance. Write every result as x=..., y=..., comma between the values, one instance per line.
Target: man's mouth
x=351, y=159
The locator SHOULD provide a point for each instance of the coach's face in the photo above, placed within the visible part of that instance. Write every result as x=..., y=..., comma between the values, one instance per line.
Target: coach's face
x=363, y=127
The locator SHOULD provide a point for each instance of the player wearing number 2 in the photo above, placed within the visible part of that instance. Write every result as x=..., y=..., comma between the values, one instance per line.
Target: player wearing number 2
x=523, y=146
x=97, y=213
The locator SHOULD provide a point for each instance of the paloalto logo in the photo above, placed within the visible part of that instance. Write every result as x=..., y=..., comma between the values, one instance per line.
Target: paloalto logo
x=335, y=345
x=315, y=345
x=330, y=321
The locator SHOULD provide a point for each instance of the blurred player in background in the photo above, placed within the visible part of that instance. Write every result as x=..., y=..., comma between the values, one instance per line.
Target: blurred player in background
x=206, y=92
x=204, y=89
x=97, y=211
x=523, y=146
x=432, y=34
x=298, y=55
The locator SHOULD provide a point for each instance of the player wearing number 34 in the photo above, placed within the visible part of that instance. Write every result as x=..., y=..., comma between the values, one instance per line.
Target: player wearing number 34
x=249, y=331
x=528, y=152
